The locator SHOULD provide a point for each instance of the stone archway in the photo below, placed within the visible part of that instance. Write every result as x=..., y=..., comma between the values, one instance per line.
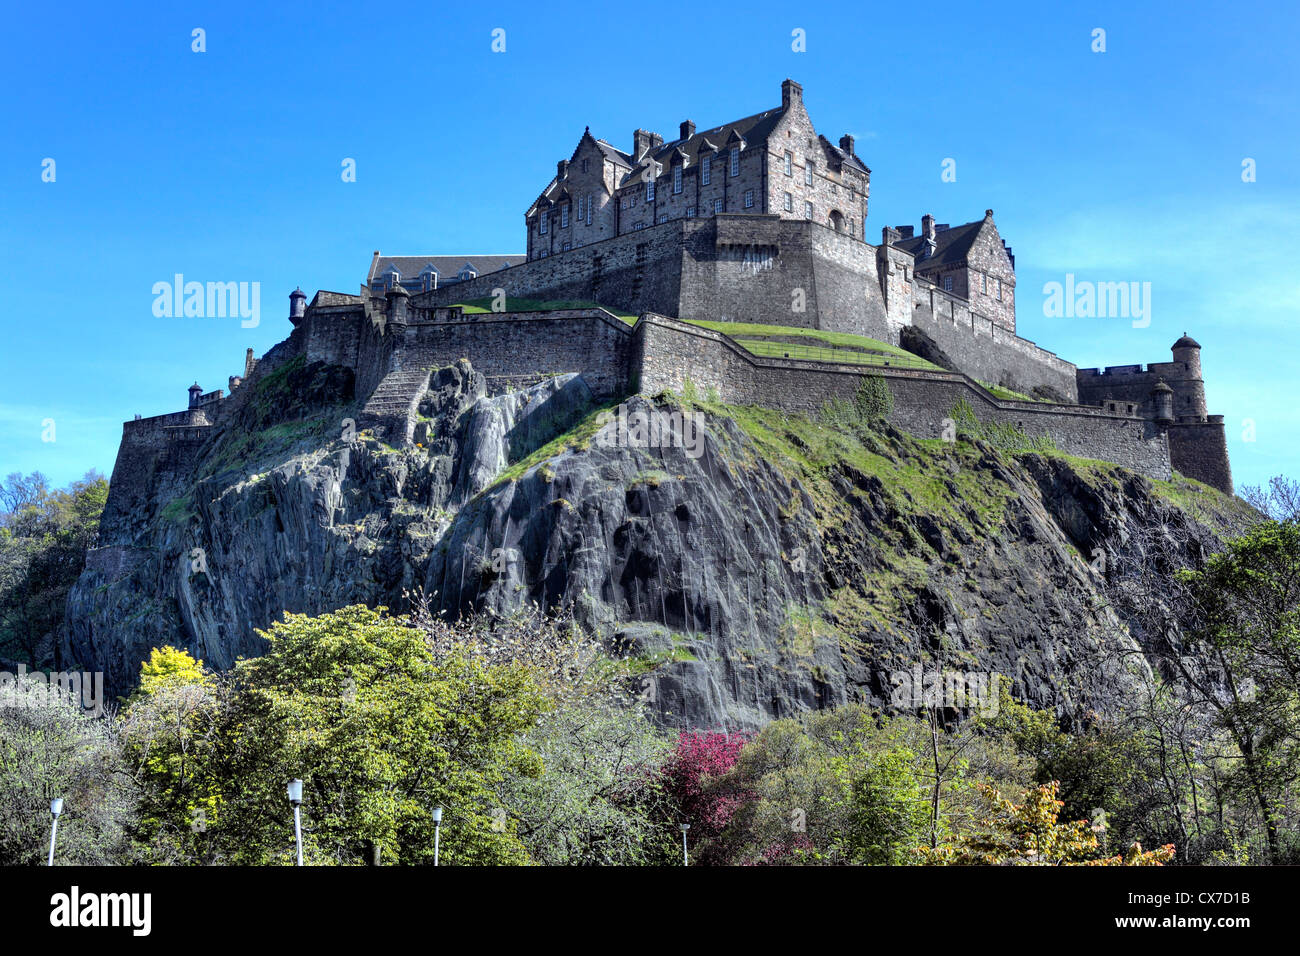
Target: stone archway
x=835, y=220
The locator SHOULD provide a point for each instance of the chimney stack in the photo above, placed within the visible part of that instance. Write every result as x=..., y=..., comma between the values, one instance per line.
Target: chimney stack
x=562, y=170
x=927, y=230
x=643, y=141
x=687, y=129
x=846, y=144
x=791, y=92
x=907, y=232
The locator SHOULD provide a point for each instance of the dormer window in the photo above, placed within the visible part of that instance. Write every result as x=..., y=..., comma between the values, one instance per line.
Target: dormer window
x=429, y=279
x=468, y=273
x=542, y=220
x=564, y=216
x=650, y=189
x=735, y=160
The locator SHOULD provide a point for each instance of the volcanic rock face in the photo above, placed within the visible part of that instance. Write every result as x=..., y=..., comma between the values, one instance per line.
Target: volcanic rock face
x=754, y=565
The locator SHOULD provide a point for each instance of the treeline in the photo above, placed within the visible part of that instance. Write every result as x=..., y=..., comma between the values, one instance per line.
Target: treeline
x=530, y=737
x=44, y=536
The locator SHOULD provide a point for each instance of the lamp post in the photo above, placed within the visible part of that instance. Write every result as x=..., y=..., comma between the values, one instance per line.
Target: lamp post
x=56, y=807
x=295, y=797
x=686, y=860
x=437, y=832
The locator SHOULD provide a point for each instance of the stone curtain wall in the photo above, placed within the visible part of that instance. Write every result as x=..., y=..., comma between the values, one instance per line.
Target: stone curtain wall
x=513, y=349
x=1200, y=450
x=671, y=352
x=637, y=272
x=986, y=351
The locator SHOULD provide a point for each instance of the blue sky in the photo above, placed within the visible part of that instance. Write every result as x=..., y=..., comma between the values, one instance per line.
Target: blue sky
x=225, y=166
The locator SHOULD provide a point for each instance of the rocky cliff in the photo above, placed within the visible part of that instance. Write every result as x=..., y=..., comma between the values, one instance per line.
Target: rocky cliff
x=759, y=566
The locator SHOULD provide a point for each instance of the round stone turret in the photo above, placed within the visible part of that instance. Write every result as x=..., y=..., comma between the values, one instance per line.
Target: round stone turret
x=297, y=305
x=399, y=301
x=1162, y=397
x=1188, y=385
x=195, y=392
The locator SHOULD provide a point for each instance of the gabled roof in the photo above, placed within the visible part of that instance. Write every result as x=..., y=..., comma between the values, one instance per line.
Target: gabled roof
x=410, y=267
x=752, y=131
x=951, y=246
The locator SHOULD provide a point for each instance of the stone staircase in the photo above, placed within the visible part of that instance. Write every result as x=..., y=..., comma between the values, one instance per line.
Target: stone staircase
x=390, y=410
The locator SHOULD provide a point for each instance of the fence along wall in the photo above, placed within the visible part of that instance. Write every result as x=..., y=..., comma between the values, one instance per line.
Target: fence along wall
x=671, y=352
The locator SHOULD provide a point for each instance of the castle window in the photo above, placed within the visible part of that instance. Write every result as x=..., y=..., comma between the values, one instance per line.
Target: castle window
x=789, y=202
x=984, y=282
x=650, y=190
x=705, y=169
x=541, y=223
x=789, y=163
x=717, y=206
x=947, y=283
x=749, y=198
x=690, y=212
x=589, y=198
x=585, y=162
x=735, y=160
x=999, y=290
x=624, y=202
x=677, y=178
x=808, y=173
x=807, y=210
x=567, y=247
x=581, y=206
x=564, y=216
x=663, y=218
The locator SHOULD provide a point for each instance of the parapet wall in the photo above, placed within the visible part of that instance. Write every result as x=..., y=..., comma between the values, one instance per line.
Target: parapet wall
x=986, y=351
x=672, y=352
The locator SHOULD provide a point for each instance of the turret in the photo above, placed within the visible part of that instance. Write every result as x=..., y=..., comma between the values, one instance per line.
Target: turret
x=195, y=392
x=1162, y=399
x=297, y=305
x=1189, y=386
x=398, y=302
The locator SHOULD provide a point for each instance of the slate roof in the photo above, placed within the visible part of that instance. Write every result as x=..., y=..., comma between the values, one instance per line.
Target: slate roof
x=753, y=129
x=951, y=246
x=844, y=157
x=1186, y=342
x=447, y=267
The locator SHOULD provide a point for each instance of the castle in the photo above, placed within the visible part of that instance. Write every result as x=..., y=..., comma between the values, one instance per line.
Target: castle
x=763, y=222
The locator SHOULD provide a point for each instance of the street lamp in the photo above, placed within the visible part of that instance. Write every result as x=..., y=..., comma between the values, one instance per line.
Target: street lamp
x=56, y=807
x=295, y=797
x=437, y=832
x=686, y=860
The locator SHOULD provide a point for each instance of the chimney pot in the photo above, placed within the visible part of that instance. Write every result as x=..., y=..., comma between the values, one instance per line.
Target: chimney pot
x=846, y=143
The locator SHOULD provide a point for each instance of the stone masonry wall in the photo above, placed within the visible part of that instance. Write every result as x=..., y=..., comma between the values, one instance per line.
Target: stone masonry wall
x=671, y=352
x=985, y=350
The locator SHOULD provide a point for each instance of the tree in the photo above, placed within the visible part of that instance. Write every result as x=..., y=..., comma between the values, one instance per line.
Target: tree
x=50, y=747
x=1028, y=834
x=381, y=729
x=44, y=536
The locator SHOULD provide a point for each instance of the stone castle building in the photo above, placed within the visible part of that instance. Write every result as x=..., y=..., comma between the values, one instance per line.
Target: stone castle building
x=762, y=220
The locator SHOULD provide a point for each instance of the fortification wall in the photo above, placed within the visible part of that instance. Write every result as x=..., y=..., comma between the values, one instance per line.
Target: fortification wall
x=1133, y=383
x=637, y=272
x=513, y=349
x=1200, y=450
x=986, y=351
x=671, y=352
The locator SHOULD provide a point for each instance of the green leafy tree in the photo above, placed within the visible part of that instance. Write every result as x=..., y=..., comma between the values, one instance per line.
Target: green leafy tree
x=44, y=536
x=381, y=729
